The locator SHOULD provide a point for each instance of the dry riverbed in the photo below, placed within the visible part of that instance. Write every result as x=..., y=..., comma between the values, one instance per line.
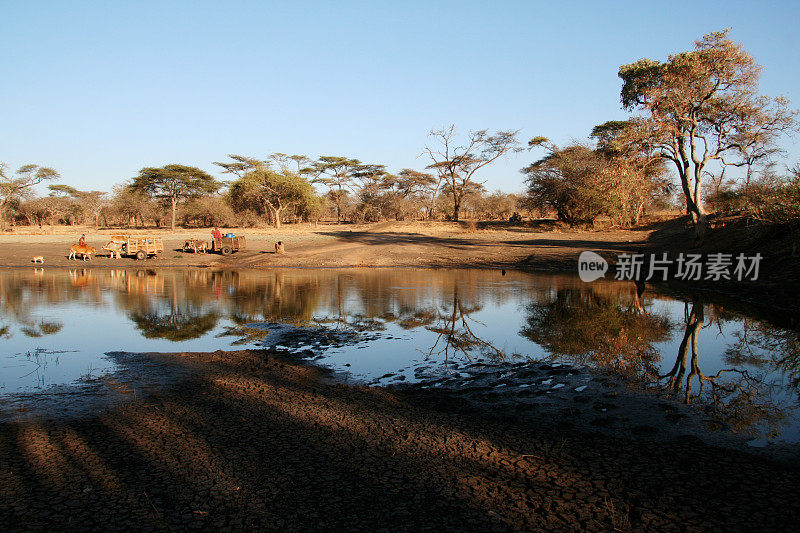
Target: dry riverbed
x=248, y=440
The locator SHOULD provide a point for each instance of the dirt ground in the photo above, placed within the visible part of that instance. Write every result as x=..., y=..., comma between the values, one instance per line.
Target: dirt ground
x=253, y=442
x=434, y=244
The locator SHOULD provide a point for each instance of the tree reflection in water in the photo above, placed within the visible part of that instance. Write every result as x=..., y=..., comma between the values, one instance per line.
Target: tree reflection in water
x=39, y=329
x=175, y=325
x=454, y=327
x=607, y=326
x=737, y=396
x=598, y=330
x=618, y=334
x=762, y=345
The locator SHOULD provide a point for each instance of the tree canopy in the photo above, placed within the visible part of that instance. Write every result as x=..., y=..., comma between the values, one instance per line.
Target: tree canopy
x=241, y=165
x=703, y=106
x=27, y=176
x=335, y=172
x=273, y=192
x=174, y=183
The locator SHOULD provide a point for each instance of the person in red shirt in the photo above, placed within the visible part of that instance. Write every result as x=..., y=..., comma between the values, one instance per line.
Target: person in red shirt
x=216, y=234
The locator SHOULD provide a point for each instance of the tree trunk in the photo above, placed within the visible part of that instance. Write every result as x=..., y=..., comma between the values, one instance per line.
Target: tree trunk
x=691, y=194
x=697, y=196
x=701, y=227
x=275, y=214
x=456, y=209
x=174, y=205
x=638, y=213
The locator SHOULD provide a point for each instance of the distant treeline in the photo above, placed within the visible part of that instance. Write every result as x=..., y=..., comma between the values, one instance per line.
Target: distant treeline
x=263, y=192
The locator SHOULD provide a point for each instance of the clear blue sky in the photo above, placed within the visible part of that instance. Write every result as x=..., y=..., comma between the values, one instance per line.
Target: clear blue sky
x=99, y=90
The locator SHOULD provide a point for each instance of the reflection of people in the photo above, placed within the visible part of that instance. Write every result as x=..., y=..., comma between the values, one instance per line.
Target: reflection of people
x=82, y=240
x=216, y=234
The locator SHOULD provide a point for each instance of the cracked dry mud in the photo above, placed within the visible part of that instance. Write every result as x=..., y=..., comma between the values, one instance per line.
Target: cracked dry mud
x=251, y=441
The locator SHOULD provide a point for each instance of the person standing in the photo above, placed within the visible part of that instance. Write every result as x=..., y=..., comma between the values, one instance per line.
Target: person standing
x=216, y=235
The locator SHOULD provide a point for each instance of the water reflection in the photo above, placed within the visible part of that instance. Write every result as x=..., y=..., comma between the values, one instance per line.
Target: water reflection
x=605, y=329
x=741, y=371
x=761, y=345
x=746, y=390
x=740, y=395
x=454, y=326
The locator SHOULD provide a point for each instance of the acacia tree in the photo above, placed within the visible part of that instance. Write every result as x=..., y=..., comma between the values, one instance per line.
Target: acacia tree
x=174, y=183
x=273, y=191
x=633, y=173
x=456, y=164
x=569, y=180
x=131, y=206
x=89, y=203
x=336, y=173
x=241, y=165
x=285, y=161
x=617, y=178
x=703, y=106
x=471, y=198
x=412, y=183
x=410, y=189
x=499, y=205
x=369, y=180
x=14, y=188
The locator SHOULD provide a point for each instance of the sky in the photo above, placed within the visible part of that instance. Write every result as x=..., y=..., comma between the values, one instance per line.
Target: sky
x=99, y=90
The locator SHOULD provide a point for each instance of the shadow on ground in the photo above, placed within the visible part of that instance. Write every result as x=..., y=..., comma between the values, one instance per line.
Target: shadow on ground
x=258, y=443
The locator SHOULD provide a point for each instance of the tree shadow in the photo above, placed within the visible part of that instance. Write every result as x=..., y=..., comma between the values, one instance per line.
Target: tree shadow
x=380, y=238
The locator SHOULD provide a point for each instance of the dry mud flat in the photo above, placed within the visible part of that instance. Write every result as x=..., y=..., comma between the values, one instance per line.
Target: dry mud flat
x=251, y=441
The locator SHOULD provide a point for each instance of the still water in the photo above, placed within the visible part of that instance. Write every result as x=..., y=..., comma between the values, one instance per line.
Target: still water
x=60, y=328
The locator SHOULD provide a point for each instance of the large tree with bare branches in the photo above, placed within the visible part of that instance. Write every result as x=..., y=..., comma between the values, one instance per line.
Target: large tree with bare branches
x=701, y=107
x=456, y=163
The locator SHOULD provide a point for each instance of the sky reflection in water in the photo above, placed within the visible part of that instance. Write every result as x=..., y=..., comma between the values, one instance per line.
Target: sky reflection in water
x=56, y=325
